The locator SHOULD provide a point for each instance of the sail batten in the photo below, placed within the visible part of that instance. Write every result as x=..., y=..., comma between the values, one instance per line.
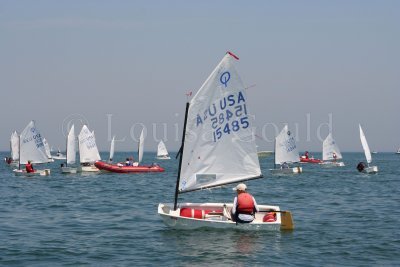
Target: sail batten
x=219, y=145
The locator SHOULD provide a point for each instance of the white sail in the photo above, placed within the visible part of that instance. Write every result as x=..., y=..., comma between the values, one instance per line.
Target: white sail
x=365, y=145
x=14, y=145
x=161, y=150
x=141, y=146
x=31, y=145
x=329, y=147
x=88, y=152
x=285, y=147
x=219, y=145
x=46, y=148
x=71, y=146
x=112, y=148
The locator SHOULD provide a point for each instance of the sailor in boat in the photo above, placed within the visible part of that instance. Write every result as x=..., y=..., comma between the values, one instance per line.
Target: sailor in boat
x=8, y=160
x=306, y=155
x=128, y=162
x=285, y=165
x=361, y=166
x=29, y=167
x=334, y=157
x=244, y=205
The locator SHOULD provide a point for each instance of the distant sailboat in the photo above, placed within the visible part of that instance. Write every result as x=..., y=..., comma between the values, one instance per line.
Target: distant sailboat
x=286, y=153
x=112, y=147
x=31, y=149
x=47, y=149
x=88, y=152
x=162, y=152
x=140, y=147
x=367, y=152
x=14, y=150
x=398, y=151
x=331, y=152
x=71, y=152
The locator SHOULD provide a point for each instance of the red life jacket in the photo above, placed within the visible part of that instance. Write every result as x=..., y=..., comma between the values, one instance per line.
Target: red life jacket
x=29, y=168
x=245, y=203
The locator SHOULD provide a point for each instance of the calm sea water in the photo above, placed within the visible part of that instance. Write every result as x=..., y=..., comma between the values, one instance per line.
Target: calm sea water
x=342, y=217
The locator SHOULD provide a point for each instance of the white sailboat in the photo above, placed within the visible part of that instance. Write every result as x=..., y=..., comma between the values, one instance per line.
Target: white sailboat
x=14, y=150
x=88, y=152
x=47, y=149
x=367, y=152
x=398, y=151
x=32, y=150
x=331, y=153
x=140, y=148
x=112, y=147
x=218, y=148
x=70, y=151
x=286, y=153
x=162, y=152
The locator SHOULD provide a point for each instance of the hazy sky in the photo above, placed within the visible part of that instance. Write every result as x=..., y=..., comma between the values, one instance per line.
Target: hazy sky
x=128, y=63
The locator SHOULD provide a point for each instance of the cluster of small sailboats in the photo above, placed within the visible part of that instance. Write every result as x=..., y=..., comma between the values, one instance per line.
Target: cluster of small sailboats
x=219, y=110
x=287, y=154
x=31, y=148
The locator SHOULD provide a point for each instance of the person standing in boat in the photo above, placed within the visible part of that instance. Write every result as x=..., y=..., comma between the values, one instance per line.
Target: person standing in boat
x=334, y=157
x=306, y=155
x=29, y=167
x=244, y=205
x=128, y=162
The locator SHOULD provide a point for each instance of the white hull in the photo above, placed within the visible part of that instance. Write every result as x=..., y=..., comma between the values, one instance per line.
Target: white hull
x=287, y=171
x=90, y=168
x=329, y=164
x=68, y=170
x=163, y=157
x=44, y=172
x=59, y=157
x=173, y=218
x=371, y=169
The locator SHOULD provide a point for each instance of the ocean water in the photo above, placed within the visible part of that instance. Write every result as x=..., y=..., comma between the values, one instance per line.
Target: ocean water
x=342, y=218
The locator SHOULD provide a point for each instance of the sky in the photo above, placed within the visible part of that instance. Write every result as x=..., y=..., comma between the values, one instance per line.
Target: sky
x=123, y=65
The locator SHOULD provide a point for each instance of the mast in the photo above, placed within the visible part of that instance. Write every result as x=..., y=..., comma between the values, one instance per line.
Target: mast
x=181, y=156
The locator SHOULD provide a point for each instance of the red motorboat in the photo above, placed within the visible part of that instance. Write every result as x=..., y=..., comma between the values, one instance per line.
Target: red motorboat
x=120, y=168
x=304, y=159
